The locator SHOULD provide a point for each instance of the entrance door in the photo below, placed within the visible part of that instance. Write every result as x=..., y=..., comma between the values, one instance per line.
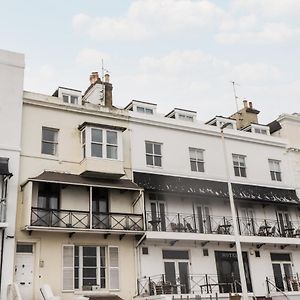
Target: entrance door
x=228, y=271
x=282, y=270
x=204, y=219
x=100, y=208
x=158, y=213
x=24, y=270
x=177, y=273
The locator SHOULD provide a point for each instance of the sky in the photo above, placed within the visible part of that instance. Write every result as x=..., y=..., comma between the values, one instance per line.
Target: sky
x=176, y=53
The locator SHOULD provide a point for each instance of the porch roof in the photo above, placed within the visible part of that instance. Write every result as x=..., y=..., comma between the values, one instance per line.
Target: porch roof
x=72, y=179
x=215, y=189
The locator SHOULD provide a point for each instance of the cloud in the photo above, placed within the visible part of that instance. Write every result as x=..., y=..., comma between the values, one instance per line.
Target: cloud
x=91, y=57
x=147, y=19
x=269, y=33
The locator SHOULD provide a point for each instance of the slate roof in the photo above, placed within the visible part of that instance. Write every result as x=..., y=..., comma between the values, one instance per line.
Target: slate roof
x=213, y=189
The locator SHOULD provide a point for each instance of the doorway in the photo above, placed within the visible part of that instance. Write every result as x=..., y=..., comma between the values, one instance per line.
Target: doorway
x=101, y=218
x=24, y=270
x=176, y=264
x=282, y=270
x=158, y=212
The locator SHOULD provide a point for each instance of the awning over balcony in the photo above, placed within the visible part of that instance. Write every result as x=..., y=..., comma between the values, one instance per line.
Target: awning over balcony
x=213, y=189
x=71, y=179
x=4, y=167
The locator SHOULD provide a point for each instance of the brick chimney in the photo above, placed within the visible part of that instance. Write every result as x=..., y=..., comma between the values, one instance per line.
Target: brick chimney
x=246, y=115
x=94, y=77
x=108, y=91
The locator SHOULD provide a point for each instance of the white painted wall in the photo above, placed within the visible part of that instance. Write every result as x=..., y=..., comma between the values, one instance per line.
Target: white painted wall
x=11, y=90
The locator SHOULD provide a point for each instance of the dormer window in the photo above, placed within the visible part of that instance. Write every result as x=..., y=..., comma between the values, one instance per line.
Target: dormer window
x=70, y=99
x=219, y=121
x=68, y=96
x=144, y=110
x=182, y=114
x=257, y=128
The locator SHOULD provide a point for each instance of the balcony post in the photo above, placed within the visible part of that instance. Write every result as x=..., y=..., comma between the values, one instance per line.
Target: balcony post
x=178, y=222
x=268, y=287
x=206, y=282
x=91, y=207
x=194, y=219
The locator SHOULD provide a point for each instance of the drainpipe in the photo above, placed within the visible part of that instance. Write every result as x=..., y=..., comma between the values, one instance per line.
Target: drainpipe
x=1, y=258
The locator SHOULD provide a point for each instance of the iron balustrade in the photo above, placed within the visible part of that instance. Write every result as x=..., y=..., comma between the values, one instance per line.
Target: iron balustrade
x=282, y=284
x=180, y=222
x=81, y=219
x=268, y=227
x=193, y=284
x=209, y=224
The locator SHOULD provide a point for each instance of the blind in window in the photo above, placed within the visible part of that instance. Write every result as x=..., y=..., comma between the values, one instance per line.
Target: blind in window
x=68, y=267
x=113, y=268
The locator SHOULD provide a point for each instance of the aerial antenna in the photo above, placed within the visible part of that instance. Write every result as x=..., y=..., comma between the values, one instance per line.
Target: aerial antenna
x=235, y=96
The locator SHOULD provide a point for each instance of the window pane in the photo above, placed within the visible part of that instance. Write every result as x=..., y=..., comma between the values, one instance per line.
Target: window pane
x=112, y=137
x=49, y=134
x=200, y=166
x=193, y=165
x=89, y=251
x=96, y=150
x=89, y=272
x=96, y=135
x=243, y=172
x=192, y=153
x=140, y=109
x=48, y=148
x=149, y=147
x=112, y=152
x=66, y=98
x=236, y=171
x=149, y=160
x=89, y=281
x=74, y=99
x=149, y=111
x=157, y=161
x=157, y=149
x=89, y=261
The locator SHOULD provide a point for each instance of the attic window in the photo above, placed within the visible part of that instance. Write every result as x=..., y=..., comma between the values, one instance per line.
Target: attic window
x=185, y=117
x=70, y=99
x=144, y=110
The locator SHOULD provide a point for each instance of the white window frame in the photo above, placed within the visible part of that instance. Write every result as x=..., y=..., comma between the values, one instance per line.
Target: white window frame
x=153, y=155
x=144, y=110
x=199, y=158
x=69, y=98
x=275, y=170
x=88, y=143
x=239, y=163
x=54, y=142
x=184, y=117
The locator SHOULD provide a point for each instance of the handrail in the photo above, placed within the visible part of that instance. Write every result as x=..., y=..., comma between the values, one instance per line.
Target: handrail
x=277, y=288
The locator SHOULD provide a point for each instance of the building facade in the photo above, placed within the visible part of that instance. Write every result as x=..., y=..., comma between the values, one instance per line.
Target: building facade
x=79, y=212
x=189, y=246
x=11, y=90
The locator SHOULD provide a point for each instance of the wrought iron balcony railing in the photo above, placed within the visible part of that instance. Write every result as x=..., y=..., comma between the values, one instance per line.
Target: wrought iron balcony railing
x=281, y=284
x=188, y=284
x=178, y=222
x=83, y=220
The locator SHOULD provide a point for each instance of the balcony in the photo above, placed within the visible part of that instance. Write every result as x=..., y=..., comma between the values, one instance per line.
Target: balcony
x=179, y=222
x=75, y=219
x=200, y=284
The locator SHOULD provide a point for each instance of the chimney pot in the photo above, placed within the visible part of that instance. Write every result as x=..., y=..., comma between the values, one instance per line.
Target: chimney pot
x=245, y=103
x=94, y=77
x=106, y=77
x=250, y=105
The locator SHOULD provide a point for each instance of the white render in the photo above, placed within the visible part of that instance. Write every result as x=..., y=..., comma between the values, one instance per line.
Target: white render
x=175, y=137
x=11, y=90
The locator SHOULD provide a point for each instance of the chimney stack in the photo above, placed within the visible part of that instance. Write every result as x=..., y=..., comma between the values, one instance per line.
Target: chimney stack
x=106, y=77
x=250, y=105
x=94, y=77
x=245, y=103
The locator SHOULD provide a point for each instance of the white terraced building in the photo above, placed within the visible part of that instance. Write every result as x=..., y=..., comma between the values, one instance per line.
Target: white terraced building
x=11, y=90
x=188, y=250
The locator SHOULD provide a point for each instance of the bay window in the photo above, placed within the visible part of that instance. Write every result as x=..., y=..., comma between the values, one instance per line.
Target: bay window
x=101, y=143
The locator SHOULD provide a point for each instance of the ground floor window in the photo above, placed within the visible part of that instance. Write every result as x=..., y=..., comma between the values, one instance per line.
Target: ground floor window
x=228, y=271
x=90, y=267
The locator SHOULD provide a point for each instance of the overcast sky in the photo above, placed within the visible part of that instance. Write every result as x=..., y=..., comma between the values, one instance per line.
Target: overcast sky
x=176, y=53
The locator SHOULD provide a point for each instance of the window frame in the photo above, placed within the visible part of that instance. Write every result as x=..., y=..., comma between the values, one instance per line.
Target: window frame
x=239, y=170
x=69, y=98
x=276, y=175
x=197, y=160
x=144, y=110
x=153, y=154
x=104, y=144
x=54, y=142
